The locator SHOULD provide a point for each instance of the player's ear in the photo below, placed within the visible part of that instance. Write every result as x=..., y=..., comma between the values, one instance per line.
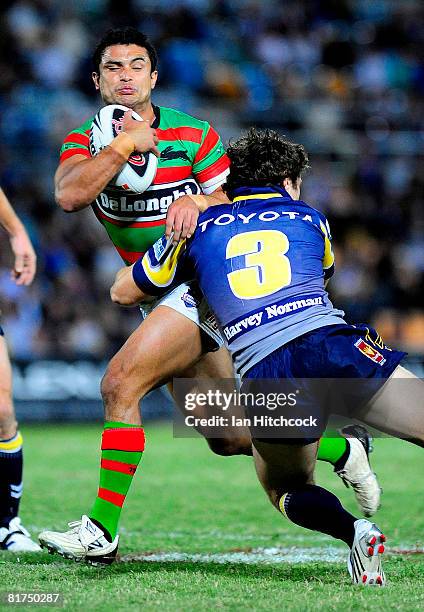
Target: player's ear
x=153, y=78
x=95, y=78
x=287, y=183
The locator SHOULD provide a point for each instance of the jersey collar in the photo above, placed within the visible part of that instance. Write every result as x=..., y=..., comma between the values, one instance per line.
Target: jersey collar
x=156, y=121
x=260, y=193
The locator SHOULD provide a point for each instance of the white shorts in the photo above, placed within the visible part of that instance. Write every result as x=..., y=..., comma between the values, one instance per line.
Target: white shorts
x=188, y=300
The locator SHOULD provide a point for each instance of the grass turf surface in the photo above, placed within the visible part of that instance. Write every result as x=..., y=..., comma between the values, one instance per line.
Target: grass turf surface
x=184, y=499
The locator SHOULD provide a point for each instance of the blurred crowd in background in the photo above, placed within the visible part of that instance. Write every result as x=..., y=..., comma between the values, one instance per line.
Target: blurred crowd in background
x=344, y=77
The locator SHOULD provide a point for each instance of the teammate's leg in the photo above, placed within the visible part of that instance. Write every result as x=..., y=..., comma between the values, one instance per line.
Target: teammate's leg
x=286, y=473
x=333, y=450
x=349, y=455
x=10, y=445
x=12, y=535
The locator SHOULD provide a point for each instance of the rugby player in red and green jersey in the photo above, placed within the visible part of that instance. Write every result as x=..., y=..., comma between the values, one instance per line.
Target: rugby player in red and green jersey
x=179, y=335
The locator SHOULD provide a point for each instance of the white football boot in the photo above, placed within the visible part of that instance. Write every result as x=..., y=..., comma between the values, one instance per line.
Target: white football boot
x=364, y=560
x=357, y=471
x=16, y=538
x=84, y=541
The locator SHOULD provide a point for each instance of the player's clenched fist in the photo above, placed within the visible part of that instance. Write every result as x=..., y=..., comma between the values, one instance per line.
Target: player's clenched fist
x=142, y=134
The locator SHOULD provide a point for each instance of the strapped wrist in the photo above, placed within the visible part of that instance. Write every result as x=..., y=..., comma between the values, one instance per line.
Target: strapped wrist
x=123, y=144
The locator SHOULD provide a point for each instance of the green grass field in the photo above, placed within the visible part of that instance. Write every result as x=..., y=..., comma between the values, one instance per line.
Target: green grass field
x=198, y=533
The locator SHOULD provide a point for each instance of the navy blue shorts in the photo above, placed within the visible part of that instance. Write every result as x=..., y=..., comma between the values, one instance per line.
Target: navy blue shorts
x=1, y=331
x=332, y=370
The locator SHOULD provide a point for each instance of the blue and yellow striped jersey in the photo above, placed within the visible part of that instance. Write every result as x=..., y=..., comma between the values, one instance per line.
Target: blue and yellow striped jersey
x=261, y=263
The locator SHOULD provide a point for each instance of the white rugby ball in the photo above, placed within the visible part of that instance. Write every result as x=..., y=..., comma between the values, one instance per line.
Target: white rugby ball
x=138, y=173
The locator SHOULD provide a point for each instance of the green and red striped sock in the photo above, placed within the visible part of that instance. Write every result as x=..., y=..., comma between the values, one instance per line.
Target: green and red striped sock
x=122, y=448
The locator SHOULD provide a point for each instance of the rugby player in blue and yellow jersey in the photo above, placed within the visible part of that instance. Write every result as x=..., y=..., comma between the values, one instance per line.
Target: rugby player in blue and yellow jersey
x=262, y=263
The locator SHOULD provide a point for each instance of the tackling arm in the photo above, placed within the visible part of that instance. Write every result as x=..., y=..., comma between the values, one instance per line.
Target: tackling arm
x=124, y=291
x=182, y=214
x=203, y=202
x=161, y=269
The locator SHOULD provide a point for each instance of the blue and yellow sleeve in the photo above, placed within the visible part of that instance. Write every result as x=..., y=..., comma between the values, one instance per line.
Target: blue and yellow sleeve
x=161, y=268
x=328, y=258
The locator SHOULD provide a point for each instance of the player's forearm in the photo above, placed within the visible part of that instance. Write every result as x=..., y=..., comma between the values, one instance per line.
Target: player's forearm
x=203, y=202
x=79, y=185
x=9, y=220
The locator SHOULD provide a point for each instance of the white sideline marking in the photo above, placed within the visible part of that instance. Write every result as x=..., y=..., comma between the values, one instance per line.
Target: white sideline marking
x=275, y=554
x=223, y=535
x=294, y=554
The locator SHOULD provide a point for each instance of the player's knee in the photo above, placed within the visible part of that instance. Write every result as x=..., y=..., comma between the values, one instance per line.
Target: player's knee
x=295, y=479
x=120, y=385
x=230, y=447
x=112, y=386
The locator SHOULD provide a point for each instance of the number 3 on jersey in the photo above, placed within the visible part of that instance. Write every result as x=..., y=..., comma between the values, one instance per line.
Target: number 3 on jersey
x=266, y=270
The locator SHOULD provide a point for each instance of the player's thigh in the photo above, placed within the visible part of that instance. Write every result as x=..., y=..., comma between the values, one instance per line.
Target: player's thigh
x=211, y=373
x=215, y=365
x=6, y=404
x=163, y=346
x=398, y=408
x=205, y=374
x=282, y=466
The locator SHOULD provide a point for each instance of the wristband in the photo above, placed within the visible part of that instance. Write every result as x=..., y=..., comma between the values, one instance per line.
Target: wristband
x=123, y=144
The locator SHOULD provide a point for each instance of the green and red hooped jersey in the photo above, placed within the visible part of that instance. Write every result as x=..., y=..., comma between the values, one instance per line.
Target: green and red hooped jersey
x=192, y=160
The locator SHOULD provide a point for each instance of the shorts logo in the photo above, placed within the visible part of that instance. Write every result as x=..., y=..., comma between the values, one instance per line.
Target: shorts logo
x=370, y=352
x=189, y=300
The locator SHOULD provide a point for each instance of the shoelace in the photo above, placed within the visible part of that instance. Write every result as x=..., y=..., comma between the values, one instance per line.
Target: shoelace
x=342, y=474
x=17, y=527
x=74, y=526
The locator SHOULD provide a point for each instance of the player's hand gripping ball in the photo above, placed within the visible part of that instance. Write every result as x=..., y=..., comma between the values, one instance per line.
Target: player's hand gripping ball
x=138, y=173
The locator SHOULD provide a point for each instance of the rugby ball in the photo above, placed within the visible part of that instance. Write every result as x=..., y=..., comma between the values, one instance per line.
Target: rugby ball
x=138, y=173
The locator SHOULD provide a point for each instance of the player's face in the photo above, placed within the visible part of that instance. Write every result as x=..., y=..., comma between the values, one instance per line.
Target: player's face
x=125, y=76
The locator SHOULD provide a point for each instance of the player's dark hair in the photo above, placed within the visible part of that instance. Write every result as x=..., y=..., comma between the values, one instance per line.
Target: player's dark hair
x=263, y=158
x=124, y=36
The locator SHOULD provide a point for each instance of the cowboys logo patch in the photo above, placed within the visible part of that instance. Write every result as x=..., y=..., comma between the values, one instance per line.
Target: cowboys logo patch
x=369, y=351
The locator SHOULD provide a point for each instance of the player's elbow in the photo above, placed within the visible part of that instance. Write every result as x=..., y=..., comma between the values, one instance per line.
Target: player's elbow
x=121, y=295
x=70, y=201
